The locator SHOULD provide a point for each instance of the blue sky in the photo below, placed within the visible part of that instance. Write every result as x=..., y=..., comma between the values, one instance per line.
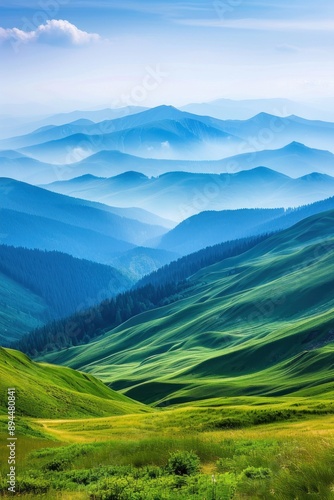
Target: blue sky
x=65, y=54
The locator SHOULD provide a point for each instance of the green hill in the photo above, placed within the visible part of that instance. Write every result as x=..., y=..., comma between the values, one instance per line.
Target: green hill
x=261, y=323
x=46, y=391
x=21, y=310
x=38, y=287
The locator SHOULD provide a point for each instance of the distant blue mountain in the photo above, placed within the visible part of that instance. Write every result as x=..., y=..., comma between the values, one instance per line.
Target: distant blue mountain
x=294, y=160
x=168, y=133
x=212, y=227
x=183, y=137
x=178, y=195
x=112, y=233
x=228, y=109
x=32, y=231
x=10, y=127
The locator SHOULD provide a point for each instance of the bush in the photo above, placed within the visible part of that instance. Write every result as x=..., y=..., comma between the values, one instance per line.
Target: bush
x=229, y=423
x=32, y=486
x=183, y=463
x=56, y=465
x=257, y=473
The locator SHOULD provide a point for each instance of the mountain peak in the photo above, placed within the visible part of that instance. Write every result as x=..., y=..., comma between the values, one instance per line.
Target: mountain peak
x=297, y=146
x=263, y=172
x=262, y=116
x=316, y=176
x=164, y=112
x=130, y=175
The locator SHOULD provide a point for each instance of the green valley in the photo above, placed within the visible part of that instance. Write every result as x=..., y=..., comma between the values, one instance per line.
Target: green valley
x=260, y=323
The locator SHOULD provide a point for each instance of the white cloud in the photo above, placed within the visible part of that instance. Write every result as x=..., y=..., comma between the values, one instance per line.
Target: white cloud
x=54, y=32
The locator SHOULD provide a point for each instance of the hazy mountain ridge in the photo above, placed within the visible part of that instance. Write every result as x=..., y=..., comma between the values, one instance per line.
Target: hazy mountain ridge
x=166, y=132
x=294, y=160
x=33, y=200
x=212, y=227
x=179, y=195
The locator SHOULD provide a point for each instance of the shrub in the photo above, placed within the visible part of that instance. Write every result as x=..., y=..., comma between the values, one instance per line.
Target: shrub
x=257, y=473
x=183, y=463
x=229, y=423
x=56, y=465
x=32, y=485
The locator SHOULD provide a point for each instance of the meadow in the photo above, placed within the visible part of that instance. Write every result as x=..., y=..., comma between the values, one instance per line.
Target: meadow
x=257, y=448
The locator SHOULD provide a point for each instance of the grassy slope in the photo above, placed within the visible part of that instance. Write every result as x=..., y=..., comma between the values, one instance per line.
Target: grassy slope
x=56, y=392
x=28, y=302
x=20, y=310
x=260, y=323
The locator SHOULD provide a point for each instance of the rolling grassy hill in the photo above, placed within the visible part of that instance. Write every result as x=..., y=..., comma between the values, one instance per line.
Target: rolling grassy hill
x=46, y=391
x=261, y=323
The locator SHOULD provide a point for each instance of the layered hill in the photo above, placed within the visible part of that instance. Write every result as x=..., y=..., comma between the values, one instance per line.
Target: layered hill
x=260, y=323
x=212, y=227
x=45, y=391
x=39, y=286
x=25, y=198
x=178, y=195
x=294, y=160
x=166, y=132
x=36, y=218
x=244, y=109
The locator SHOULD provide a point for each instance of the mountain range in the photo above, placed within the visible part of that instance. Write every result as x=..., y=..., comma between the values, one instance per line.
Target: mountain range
x=229, y=109
x=32, y=217
x=179, y=195
x=11, y=126
x=165, y=132
x=212, y=227
x=294, y=160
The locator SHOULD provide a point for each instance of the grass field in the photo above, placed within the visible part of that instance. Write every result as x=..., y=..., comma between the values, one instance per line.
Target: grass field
x=126, y=457
x=46, y=390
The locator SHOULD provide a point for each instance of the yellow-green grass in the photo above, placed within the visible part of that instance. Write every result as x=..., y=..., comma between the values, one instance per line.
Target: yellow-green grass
x=298, y=452
x=49, y=391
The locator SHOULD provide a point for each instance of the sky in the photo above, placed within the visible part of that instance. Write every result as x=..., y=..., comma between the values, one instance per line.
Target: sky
x=60, y=55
